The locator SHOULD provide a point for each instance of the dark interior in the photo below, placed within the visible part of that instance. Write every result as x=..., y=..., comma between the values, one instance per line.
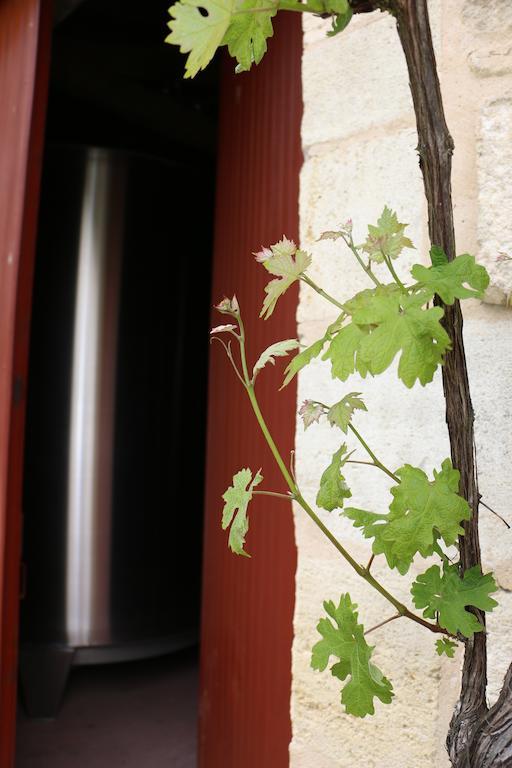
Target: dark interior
x=116, y=86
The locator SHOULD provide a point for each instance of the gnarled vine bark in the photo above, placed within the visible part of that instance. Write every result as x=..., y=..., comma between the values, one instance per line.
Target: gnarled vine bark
x=478, y=737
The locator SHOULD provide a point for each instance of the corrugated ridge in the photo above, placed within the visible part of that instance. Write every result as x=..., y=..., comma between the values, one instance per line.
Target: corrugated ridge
x=248, y=604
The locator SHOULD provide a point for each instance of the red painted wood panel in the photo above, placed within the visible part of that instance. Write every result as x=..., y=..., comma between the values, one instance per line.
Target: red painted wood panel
x=248, y=603
x=25, y=32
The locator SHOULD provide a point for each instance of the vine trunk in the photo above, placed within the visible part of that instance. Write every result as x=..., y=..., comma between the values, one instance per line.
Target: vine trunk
x=478, y=737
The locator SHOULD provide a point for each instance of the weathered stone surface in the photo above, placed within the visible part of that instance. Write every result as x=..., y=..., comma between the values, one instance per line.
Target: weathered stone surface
x=488, y=16
x=495, y=196
x=499, y=631
x=346, y=92
x=488, y=339
x=492, y=62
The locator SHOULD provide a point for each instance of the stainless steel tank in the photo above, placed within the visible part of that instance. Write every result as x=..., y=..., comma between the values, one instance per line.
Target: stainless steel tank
x=113, y=495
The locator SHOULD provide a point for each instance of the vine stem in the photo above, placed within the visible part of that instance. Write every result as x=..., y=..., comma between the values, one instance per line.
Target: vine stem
x=306, y=279
x=350, y=244
x=471, y=722
x=285, y=496
x=370, y=453
x=363, y=572
x=494, y=513
x=382, y=623
x=389, y=265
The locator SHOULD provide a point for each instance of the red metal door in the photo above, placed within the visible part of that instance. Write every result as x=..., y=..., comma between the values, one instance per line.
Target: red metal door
x=25, y=29
x=248, y=604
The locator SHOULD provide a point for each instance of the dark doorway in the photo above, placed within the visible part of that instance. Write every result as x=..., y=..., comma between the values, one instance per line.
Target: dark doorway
x=118, y=101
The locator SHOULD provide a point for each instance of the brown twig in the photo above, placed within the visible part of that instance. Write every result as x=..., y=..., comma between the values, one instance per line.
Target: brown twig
x=382, y=623
x=495, y=513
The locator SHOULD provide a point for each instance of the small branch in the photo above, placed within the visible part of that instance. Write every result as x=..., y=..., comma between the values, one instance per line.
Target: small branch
x=321, y=291
x=275, y=494
x=292, y=466
x=376, y=461
x=350, y=244
x=382, y=623
x=227, y=348
x=494, y=513
x=389, y=264
x=370, y=562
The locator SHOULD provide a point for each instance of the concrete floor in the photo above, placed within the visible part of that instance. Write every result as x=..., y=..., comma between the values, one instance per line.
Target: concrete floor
x=137, y=715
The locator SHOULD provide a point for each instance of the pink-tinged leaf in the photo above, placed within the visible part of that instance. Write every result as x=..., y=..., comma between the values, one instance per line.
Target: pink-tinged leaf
x=288, y=270
x=263, y=255
x=223, y=329
x=330, y=235
x=284, y=247
x=310, y=412
x=228, y=306
x=279, y=349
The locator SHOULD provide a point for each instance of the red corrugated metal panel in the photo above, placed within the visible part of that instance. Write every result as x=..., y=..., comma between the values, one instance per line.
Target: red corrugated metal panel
x=24, y=56
x=248, y=603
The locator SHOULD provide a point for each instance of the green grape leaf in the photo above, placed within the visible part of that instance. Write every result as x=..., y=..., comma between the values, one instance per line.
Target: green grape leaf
x=237, y=498
x=197, y=34
x=343, y=638
x=279, y=349
x=340, y=414
x=402, y=326
x=342, y=18
x=448, y=595
x=450, y=280
x=386, y=322
x=302, y=359
x=247, y=34
x=333, y=488
x=420, y=513
x=287, y=268
x=446, y=646
x=342, y=352
x=387, y=238
x=437, y=256
x=336, y=6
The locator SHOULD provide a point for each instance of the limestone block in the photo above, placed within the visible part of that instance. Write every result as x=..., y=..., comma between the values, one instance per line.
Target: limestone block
x=355, y=180
x=315, y=28
x=488, y=341
x=499, y=643
x=345, y=92
x=493, y=62
x=495, y=196
x=486, y=17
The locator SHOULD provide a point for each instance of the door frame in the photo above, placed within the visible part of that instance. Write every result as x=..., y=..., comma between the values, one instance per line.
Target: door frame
x=25, y=35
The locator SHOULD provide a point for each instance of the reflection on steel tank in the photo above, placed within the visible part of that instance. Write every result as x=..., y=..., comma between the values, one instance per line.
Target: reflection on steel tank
x=112, y=556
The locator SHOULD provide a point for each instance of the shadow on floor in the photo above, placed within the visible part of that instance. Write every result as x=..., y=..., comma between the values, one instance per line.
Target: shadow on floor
x=134, y=715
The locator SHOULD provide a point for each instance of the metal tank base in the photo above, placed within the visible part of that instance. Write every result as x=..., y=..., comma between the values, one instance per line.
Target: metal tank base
x=44, y=669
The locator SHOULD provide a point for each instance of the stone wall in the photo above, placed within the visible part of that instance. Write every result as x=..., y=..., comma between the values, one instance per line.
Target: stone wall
x=359, y=141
